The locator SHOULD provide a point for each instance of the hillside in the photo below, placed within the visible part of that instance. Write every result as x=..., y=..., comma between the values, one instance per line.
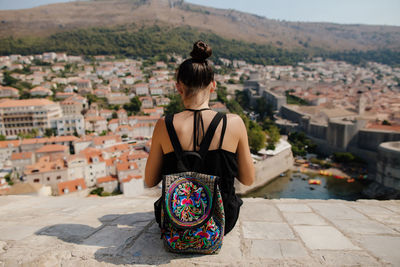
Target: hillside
x=50, y=19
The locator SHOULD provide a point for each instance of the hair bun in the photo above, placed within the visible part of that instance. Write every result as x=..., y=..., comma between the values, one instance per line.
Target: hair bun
x=201, y=51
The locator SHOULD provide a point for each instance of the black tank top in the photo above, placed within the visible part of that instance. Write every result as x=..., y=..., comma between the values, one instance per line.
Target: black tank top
x=215, y=162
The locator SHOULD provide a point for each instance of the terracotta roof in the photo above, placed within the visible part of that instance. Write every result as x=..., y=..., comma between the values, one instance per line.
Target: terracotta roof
x=66, y=138
x=144, y=117
x=40, y=89
x=52, y=148
x=91, y=153
x=134, y=155
x=124, y=128
x=26, y=103
x=21, y=155
x=45, y=165
x=71, y=185
x=130, y=177
x=106, y=179
x=394, y=128
x=99, y=140
x=65, y=94
x=8, y=88
x=33, y=141
x=95, y=118
x=13, y=143
x=149, y=110
x=126, y=166
x=119, y=147
x=113, y=121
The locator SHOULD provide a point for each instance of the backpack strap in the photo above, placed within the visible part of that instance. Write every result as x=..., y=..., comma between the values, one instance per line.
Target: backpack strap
x=173, y=137
x=221, y=139
x=205, y=143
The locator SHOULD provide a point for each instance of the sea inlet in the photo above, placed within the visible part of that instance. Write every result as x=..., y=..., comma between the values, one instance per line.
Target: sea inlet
x=294, y=184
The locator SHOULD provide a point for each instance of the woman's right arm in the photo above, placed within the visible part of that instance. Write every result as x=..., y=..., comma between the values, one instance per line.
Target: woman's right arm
x=154, y=161
x=246, y=168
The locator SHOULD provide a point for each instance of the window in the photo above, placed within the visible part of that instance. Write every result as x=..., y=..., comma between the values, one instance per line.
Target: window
x=48, y=178
x=36, y=180
x=58, y=177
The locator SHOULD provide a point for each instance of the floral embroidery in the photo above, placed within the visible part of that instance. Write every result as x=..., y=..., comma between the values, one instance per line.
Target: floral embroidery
x=189, y=225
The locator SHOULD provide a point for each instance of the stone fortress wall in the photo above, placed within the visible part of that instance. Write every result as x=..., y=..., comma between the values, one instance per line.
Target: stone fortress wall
x=267, y=170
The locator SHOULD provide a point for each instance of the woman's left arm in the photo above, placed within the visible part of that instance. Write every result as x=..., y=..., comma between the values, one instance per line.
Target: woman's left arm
x=154, y=161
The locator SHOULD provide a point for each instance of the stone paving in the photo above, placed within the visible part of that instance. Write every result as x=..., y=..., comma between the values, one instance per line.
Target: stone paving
x=82, y=231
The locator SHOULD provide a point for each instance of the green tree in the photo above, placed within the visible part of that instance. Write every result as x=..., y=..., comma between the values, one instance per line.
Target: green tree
x=301, y=145
x=49, y=132
x=175, y=106
x=263, y=109
x=255, y=134
x=134, y=105
x=273, y=136
x=2, y=137
x=8, y=80
x=114, y=115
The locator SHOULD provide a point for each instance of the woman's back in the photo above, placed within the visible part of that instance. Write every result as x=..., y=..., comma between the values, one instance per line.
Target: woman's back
x=184, y=126
x=217, y=161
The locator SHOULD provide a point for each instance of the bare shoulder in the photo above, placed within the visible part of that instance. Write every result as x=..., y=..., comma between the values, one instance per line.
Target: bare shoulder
x=236, y=126
x=235, y=120
x=159, y=127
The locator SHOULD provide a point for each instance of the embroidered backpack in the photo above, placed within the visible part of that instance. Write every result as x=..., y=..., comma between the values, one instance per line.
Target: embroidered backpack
x=192, y=212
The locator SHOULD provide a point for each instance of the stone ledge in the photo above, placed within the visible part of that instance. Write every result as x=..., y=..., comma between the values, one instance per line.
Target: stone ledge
x=71, y=231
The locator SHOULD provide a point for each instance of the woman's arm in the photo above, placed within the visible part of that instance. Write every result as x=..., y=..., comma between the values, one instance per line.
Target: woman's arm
x=246, y=168
x=154, y=161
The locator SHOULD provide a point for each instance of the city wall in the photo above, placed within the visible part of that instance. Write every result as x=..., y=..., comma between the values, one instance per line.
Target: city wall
x=267, y=170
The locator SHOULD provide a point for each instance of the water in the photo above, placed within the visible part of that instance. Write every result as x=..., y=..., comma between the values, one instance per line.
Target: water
x=295, y=185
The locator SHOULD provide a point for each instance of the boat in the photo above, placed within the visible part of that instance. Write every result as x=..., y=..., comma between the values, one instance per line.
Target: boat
x=314, y=181
x=338, y=177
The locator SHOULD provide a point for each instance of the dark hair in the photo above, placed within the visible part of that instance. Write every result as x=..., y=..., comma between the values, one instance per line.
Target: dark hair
x=196, y=72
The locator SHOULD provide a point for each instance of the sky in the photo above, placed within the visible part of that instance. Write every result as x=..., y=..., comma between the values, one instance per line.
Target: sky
x=375, y=12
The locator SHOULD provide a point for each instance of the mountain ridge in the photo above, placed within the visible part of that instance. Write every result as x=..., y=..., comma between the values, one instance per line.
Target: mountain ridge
x=230, y=24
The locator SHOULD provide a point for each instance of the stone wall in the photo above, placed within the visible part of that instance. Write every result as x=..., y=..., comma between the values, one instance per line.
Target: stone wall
x=276, y=101
x=371, y=139
x=317, y=130
x=388, y=165
x=267, y=170
x=291, y=114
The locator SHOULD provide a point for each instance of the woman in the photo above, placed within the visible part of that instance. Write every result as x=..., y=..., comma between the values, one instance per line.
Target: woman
x=228, y=155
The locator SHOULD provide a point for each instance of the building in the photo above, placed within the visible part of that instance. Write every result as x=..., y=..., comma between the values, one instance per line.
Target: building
x=69, y=125
x=71, y=186
x=71, y=107
x=141, y=89
x=52, y=151
x=21, y=116
x=6, y=91
x=19, y=160
x=96, y=124
x=108, y=183
x=40, y=91
x=48, y=172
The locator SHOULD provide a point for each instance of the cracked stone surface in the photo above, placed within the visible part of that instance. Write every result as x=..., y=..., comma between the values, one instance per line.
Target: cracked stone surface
x=80, y=231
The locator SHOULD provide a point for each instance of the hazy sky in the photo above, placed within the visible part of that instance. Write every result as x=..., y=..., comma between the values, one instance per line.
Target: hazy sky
x=382, y=12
